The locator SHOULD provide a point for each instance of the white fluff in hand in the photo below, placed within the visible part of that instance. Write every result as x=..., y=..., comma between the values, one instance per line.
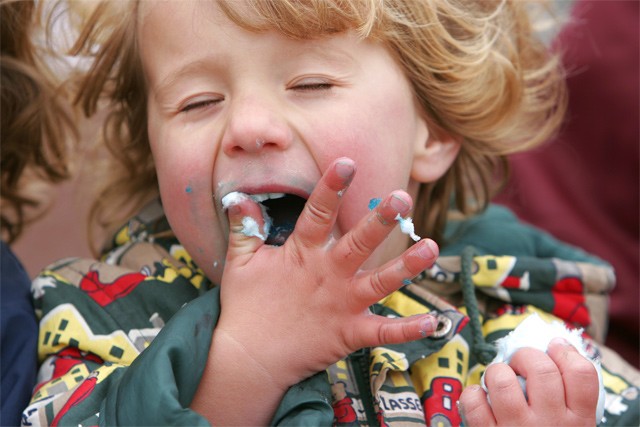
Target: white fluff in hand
x=534, y=332
x=406, y=226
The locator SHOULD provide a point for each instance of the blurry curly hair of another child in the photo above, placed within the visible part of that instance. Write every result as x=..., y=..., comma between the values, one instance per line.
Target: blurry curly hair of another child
x=37, y=125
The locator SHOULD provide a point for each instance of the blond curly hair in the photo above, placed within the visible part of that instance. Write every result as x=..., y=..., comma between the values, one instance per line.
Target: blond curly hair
x=477, y=68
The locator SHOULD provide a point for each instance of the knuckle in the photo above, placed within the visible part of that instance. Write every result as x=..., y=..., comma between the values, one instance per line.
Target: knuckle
x=236, y=228
x=501, y=383
x=544, y=368
x=537, y=362
x=383, y=220
x=384, y=333
x=358, y=246
x=500, y=378
x=319, y=213
x=584, y=369
x=377, y=285
x=351, y=338
x=392, y=332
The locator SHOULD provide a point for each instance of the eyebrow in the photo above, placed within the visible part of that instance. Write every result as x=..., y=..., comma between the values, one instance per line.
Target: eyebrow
x=190, y=68
x=332, y=56
x=313, y=51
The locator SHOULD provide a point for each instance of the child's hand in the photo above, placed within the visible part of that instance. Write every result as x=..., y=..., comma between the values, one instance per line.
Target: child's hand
x=304, y=305
x=562, y=389
x=291, y=311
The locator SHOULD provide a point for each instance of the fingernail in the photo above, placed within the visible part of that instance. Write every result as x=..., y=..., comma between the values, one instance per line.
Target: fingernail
x=399, y=205
x=234, y=210
x=427, y=249
x=345, y=169
x=461, y=413
x=428, y=326
x=559, y=341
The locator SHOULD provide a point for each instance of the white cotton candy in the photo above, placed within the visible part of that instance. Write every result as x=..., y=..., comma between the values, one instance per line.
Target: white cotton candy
x=535, y=333
x=250, y=226
x=232, y=199
x=406, y=226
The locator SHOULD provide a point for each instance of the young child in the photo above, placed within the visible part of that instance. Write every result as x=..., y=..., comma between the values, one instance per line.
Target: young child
x=35, y=130
x=254, y=116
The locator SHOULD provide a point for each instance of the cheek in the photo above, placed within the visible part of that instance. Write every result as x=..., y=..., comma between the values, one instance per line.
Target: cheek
x=382, y=144
x=184, y=162
x=182, y=174
x=185, y=179
x=381, y=169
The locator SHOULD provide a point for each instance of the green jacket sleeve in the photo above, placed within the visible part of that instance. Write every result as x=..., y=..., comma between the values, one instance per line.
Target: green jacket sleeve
x=158, y=387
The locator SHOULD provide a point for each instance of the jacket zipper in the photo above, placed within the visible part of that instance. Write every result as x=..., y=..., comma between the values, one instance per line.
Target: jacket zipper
x=360, y=361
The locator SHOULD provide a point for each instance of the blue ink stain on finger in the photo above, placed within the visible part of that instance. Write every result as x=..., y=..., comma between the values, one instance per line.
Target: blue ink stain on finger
x=188, y=190
x=373, y=203
x=406, y=282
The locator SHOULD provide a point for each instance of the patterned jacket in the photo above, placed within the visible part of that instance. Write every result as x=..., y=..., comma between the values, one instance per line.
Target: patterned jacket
x=124, y=340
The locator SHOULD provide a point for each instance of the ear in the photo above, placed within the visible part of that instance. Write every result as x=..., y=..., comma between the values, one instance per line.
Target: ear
x=434, y=155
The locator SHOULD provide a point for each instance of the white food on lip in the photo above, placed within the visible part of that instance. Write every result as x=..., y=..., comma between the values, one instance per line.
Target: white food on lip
x=406, y=226
x=233, y=198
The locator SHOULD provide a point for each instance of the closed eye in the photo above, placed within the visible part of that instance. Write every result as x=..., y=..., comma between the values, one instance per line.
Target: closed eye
x=313, y=86
x=199, y=105
x=311, y=83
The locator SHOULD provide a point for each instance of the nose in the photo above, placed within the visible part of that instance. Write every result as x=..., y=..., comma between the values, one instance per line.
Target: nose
x=255, y=125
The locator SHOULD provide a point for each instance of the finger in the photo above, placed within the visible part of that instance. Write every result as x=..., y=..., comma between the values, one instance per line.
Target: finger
x=246, y=228
x=545, y=389
x=580, y=377
x=508, y=403
x=372, y=286
x=358, y=244
x=474, y=408
x=373, y=330
x=319, y=214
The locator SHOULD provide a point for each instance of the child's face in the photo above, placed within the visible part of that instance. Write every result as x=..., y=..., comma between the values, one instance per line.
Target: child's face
x=230, y=110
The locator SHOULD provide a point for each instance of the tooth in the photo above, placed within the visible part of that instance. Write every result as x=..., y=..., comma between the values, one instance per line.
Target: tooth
x=266, y=196
x=236, y=197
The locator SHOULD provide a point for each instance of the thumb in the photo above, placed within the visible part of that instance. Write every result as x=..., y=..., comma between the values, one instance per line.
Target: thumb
x=247, y=230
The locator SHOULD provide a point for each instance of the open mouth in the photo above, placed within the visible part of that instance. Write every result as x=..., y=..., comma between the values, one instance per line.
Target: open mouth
x=282, y=212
